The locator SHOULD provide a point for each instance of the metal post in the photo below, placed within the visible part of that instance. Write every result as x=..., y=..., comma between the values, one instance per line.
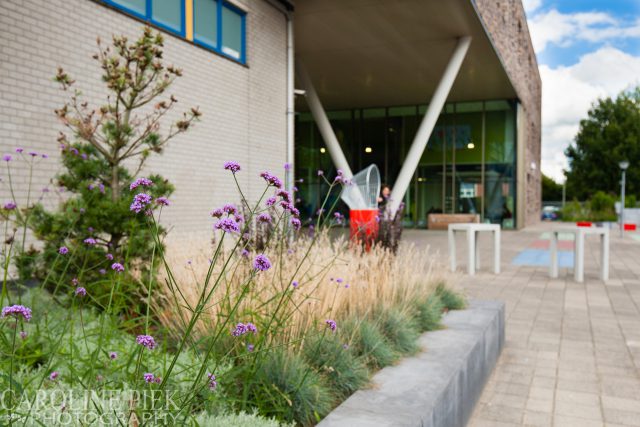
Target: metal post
x=564, y=193
x=290, y=173
x=622, y=205
x=428, y=122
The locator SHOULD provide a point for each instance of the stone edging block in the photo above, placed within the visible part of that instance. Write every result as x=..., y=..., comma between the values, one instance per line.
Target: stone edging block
x=438, y=387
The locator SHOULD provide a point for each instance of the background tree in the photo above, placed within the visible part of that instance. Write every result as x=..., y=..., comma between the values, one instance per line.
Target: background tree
x=95, y=223
x=609, y=134
x=551, y=190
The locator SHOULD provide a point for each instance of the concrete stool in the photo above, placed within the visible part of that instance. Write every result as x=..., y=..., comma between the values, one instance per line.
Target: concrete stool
x=472, y=243
x=578, y=265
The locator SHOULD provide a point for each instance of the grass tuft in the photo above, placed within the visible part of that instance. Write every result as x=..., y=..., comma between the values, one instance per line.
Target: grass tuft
x=368, y=341
x=450, y=299
x=400, y=329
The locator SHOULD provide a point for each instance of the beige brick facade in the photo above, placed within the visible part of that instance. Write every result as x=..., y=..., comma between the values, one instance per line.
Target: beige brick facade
x=506, y=23
x=244, y=107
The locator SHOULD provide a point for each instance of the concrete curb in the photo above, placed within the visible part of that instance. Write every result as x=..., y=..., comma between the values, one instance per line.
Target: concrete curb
x=438, y=387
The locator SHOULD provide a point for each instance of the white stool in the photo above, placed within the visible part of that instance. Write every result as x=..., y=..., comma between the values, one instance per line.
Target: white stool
x=578, y=264
x=472, y=243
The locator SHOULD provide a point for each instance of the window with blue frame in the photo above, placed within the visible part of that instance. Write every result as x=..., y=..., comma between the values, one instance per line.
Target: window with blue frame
x=167, y=14
x=220, y=26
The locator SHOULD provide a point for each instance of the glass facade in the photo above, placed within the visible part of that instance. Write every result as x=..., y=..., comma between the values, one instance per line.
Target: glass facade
x=469, y=165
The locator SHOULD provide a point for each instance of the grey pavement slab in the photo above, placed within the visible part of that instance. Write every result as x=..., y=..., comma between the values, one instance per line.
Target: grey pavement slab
x=572, y=350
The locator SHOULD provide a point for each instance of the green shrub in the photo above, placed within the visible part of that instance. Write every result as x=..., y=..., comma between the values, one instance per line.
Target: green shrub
x=288, y=388
x=573, y=211
x=368, y=341
x=450, y=299
x=400, y=329
x=630, y=201
x=429, y=312
x=345, y=372
x=602, y=207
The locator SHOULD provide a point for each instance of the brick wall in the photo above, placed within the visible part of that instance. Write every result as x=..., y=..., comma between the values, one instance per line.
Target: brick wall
x=506, y=23
x=243, y=106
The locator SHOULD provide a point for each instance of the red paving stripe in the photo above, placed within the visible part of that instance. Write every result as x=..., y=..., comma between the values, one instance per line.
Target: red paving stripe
x=563, y=245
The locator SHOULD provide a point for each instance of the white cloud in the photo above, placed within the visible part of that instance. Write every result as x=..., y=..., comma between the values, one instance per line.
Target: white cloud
x=569, y=91
x=531, y=5
x=565, y=29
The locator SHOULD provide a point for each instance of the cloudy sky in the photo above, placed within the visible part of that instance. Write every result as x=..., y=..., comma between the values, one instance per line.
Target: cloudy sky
x=587, y=49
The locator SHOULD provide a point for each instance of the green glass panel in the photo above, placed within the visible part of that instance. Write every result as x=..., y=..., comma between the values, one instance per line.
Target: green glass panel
x=231, y=32
x=372, y=113
x=135, y=5
x=205, y=21
x=168, y=12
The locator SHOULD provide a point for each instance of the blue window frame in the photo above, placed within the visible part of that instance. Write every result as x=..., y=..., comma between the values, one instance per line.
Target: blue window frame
x=166, y=14
x=220, y=26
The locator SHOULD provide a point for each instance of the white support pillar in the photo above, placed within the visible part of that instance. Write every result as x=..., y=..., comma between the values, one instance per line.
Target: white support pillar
x=320, y=117
x=428, y=122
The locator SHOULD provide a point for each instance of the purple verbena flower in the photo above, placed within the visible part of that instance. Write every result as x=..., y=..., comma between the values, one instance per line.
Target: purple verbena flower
x=33, y=153
x=230, y=209
x=212, y=381
x=271, y=179
x=217, y=213
x=140, y=202
x=45, y=156
x=90, y=241
x=239, y=330
x=331, y=324
x=109, y=257
x=270, y=201
x=146, y=341
x=295, y=284
x=7, y=157
x=287, y=166
x=250, y=347
x=339, y=280
x=148, y=377
x=75, y=281
x=23, y=335
x=162, y=201
x=102, y=271
x=245, y=253
x=54, y=375
x=10, y=206
x=228, y=225
x=232, y=166
x=295, y=222
x=320, y=173
x=251, y=328
x=63, y=250
x=19, y=150
x=117, y=267
x=264, y=217
x=81, y=292
x=17, y=311
x=113, y=355
x=284, y=194
x=144, y=182
x=261, y=262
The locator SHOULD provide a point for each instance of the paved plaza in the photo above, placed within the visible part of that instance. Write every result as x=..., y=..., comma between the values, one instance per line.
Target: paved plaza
x=572, y=350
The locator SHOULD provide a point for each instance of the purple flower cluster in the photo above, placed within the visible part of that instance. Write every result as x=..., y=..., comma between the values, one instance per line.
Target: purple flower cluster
x=144, y=182
x=54, y=375
x=149, y=377
x=10, y=206
x=270, y=201
x=264, y=217
x=230, y=209
x=295, y=284
x=140, y=202
x=7, y=157
x=146, y=341
x=162, y=201
x=242, y=329
x=232, y=166
x=63, y=250
x=81, y=292
x=17, y=311
x=271, y=179
x=228, y=225
x=295, y=222
x=109, y=257
x=90, y=241
x=113, y=355
x=212, y=381
x=331, y=324
x=262, y=263
x=284, y=194
x=117, y=267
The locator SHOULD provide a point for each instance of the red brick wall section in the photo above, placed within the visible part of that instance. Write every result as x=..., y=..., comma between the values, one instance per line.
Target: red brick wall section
x=506, y=23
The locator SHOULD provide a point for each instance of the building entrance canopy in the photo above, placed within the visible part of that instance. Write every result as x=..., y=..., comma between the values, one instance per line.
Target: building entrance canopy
x=369, y=53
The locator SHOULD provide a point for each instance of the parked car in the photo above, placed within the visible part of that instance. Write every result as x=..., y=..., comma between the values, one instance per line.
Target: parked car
x=550, y=213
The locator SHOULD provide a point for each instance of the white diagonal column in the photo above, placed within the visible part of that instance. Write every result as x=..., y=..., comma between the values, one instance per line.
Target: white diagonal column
x=428, y=122
x=322, y=121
